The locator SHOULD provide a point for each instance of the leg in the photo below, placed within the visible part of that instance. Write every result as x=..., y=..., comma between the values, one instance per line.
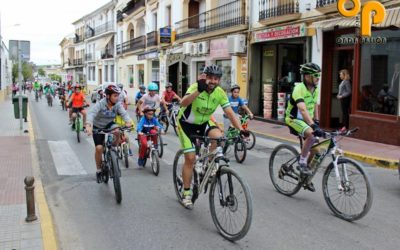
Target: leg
x=143, y=146
x=154, y=137
x=187, y=172
x=83, y=112
x=214, y=132
x=98, y=156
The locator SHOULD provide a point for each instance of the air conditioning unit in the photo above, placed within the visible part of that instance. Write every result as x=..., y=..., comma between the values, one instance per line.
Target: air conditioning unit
x=237, y=44
x=187, y=48
x=203, y=47
x=195, y=51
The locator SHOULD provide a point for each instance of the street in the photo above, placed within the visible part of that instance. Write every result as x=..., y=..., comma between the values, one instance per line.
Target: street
x=86, y=215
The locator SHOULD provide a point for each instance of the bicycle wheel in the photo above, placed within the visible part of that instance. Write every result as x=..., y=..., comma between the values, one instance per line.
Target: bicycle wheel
x=116, y=173
x=105, y=168
x=353, y=198
x=155, y=163
x=125, y=154
x=240, y=151
x=250, y=141
x=282, y=170
x=173, y=119
x=160, y=148
x=230, y=204
x=164, y=122
x=177, y=175
x=77, y=128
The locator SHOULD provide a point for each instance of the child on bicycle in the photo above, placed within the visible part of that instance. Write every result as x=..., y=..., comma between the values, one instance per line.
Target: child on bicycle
x=148, y=124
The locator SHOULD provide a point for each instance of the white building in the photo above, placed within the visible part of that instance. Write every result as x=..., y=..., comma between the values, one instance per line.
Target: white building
x=5, y=67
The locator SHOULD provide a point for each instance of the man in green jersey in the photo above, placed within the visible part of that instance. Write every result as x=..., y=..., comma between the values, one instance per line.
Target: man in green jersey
x=302, y=112
x=197, y=106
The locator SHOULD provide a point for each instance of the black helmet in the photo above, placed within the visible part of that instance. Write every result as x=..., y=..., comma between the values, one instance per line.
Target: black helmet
x=309, y=68
x=120, y=85
x=168, y=85
x=213, y=70
x=111, y=89
x=141, y=86
x=235, y=86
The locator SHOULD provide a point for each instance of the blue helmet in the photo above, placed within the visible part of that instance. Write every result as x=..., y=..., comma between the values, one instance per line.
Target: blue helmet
x=152, y=87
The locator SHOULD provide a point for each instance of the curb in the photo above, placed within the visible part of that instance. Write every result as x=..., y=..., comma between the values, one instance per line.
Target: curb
x=46, y=222
x=375, y=161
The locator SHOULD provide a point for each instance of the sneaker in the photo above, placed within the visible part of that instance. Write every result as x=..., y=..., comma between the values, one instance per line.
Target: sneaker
x=303, y=168
x=141, y=162
x=99, y=177
x=309, y=187
x=187, y=199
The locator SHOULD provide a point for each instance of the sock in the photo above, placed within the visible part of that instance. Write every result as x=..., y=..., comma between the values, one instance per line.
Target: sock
x=303, y=160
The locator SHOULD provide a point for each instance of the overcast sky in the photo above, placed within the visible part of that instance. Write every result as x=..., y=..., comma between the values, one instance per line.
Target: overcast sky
x=43, y=22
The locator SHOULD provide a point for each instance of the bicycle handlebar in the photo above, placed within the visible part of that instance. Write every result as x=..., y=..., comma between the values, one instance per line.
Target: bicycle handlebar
x=330, y=134
x=106, y=131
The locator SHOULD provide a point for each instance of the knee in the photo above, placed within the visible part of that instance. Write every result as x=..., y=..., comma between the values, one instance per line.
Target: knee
x=99, y=149
x=215, y=133
x=190, y=158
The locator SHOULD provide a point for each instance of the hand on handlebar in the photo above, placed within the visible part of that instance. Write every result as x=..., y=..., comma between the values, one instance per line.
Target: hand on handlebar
x=317, y=130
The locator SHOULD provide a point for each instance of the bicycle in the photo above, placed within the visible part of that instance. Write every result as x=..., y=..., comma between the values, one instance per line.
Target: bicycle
x=77, y=124
x=212, y=168
x=152, y=153
x=240, y=148
x=49, y=99
x=36, y=96
x=109, y=165
x=123, y=150
x=340, y=176
x=173, y=114
x=251, y=140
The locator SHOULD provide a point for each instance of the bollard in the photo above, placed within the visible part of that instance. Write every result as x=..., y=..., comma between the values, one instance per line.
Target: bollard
x=30, y=198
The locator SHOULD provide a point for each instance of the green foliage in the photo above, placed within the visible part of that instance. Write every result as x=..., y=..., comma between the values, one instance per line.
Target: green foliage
x=15, y=72
x=41, y=72
x=55, y=77
x=27, y=71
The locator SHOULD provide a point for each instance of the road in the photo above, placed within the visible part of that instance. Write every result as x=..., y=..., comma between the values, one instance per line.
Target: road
x=86, y=215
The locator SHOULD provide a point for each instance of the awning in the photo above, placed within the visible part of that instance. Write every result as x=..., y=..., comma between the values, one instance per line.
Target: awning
x=392, y=19
x=103, y=42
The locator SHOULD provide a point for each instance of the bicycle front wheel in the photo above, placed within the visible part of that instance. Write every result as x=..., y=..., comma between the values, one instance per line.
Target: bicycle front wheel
x=351, y=199
x=240, y=151
x=125, y=154
x=116, y=173
x=250, y=141
x=160, y=148
x=155, y=163
x=282, y=170
x=77, y=128
x=230, y=204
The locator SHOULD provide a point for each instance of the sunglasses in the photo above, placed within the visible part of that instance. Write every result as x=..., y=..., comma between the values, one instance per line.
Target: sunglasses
x=316, y=75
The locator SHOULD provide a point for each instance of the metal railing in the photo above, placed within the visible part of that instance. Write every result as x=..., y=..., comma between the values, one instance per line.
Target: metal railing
x=105, y=27
x=89, y=57
x=152, y=38
x=133, y=5
x=78, y=62
x=322, y=3
x=78, y=38
x=225, y=16
x=269, y=8
x=107, y=53
x=132, y=45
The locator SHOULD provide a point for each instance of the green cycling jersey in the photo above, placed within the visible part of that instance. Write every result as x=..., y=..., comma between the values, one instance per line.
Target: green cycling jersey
x=202, y=108
x=36, y=86
x=301, y=94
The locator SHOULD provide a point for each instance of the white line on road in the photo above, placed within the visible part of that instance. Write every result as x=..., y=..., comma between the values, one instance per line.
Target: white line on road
x=65, y=160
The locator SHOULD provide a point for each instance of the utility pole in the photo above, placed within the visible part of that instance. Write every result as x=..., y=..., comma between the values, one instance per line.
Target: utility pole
x=20, y=84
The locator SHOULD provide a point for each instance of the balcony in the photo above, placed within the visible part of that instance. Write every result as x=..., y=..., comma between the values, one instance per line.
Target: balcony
x=283, y=11
x=133, y=6
x=89, y=57
x=225, y=16
x=108, y=26
x=135, y=44
x=78, y=38
x=152, y=39
x=119, y=16
x=107, y=53
x=78, y=62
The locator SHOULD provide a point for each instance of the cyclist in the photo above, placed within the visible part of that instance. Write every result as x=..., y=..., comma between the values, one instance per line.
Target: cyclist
x=236, y=102
x=302, y=114
x=40, y=90
x=36, y=88
x=147, y=124
x=77, y=102
x=48, y=91
x=151, y=100
x=123, y=97
x=102, y=116
x=169, y=96
x=197, y=106
x=142, y=91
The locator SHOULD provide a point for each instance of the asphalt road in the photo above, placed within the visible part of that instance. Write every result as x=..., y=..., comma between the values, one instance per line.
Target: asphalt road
x=86, y=215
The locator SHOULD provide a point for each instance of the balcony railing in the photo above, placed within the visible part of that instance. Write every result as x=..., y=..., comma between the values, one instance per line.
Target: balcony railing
x=78, y=62
x=78, y=38
x=323, y=3
x=108, y=26
x=132, y=45
x=107, y=53
x=89, y=57
x=225, y=16
x=133, y=5
x=269, y=8
x=119, y=16
x=152, y=38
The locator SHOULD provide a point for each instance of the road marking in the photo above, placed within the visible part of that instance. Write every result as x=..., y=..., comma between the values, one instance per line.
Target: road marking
x=65, y=160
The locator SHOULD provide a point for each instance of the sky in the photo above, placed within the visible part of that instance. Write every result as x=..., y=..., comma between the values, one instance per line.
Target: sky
x=44, y=23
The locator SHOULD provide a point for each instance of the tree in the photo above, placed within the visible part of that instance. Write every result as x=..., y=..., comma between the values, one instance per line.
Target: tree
x=55, y=77
x=15, y=72
x=41, y=72
x=27, y=71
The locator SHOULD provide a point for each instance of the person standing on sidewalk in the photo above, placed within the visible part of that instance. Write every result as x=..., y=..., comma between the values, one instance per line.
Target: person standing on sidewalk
x=344, y=95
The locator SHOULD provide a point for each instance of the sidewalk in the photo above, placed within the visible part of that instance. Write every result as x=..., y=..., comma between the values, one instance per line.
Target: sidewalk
x=18, y=159
x=377, y=154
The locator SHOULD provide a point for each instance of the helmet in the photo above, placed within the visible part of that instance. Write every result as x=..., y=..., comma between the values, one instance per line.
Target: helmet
x=141, y=86
x=213, y=70
x=111, y=89
x=235, y=86
x=309, y=68
x=120, y=85
x=168, y=85
x=152, y=87
x=148, y=109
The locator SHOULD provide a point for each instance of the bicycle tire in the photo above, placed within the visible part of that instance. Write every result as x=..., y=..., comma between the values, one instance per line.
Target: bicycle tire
x=177, y=177
x=290, y=172
x=105, y=168
x=251, y=142
x=126, y=155
x=232, y=207
x=348, y=193
x=77, y=128
x=240, y=146
x=164, y=121
x=174, y=124
x=116, y=174
x=160, y=148
x=155, y=163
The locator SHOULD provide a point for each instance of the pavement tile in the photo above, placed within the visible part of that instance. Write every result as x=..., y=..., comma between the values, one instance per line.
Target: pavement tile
x=31, y=243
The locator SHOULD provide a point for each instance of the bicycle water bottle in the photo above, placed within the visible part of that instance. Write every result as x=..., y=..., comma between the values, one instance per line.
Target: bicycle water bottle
x=315, y=160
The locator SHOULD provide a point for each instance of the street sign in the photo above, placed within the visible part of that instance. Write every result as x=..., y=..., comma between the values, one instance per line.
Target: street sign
x=165, y=35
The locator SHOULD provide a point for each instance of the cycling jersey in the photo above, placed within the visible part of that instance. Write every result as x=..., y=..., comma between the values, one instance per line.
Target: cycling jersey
x=101, y=115
x=169, y=96
x=201, y=109
x=36, y=86
x=301, y=94
x=139, y=95
x=150, y=101
x=77, y=100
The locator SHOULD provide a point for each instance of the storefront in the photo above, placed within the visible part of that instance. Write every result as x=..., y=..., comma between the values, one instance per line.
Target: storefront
x=276, y=56
x=177, y=67
x=151, y=59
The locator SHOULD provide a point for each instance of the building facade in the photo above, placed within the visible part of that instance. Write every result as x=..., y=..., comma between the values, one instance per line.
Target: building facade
x=5, y=67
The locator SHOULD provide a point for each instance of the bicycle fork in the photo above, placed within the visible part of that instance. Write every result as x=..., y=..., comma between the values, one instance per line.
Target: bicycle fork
x=344, y=169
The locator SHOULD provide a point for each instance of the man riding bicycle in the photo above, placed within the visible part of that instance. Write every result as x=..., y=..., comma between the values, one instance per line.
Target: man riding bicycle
x=197, y=106
x=77, y=102
x=102, y=116
x=302, y=114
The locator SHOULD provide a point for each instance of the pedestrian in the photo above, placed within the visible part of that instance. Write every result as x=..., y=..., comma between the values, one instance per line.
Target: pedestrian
x=344, y=96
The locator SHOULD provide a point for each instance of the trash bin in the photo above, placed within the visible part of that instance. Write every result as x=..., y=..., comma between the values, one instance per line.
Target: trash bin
x=15, y=101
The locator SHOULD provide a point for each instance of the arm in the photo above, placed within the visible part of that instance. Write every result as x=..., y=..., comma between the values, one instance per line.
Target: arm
x=188, y=99
x=316, y=112
x=138, y=106
x=304, y=112
x=140, y=125
x=157, y=123
x=248, y=111
x=177, y=97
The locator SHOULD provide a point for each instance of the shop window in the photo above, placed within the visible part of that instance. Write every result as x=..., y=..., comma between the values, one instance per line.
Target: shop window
x=380, y=75
x=140, y=68
x=155, y=71
x=225, y=82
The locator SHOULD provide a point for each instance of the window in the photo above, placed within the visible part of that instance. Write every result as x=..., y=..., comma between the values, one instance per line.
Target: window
x=225, y=82
x=155, y=21
x=168, y=16
x=112, y=73
x=106, y=73
x=155, y=70
x=378, y=91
